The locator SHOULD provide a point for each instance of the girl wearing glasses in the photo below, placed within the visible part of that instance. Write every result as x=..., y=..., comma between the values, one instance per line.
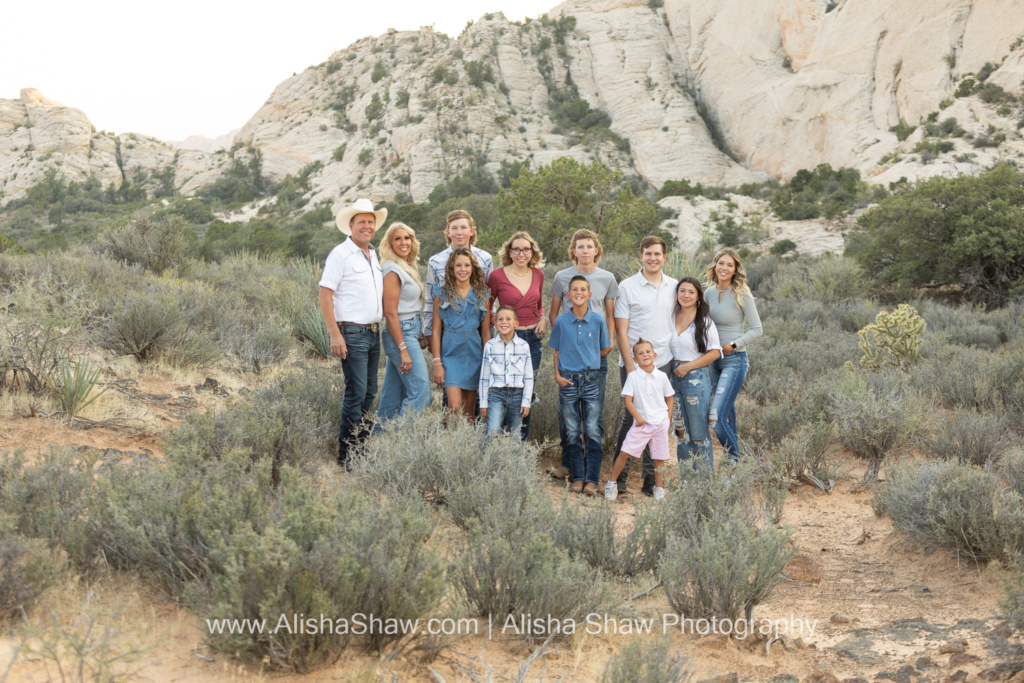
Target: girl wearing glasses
x=519, y=283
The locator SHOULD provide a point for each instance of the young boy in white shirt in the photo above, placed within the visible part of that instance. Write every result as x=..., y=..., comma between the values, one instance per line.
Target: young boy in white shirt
x=506, y=376
x=649, y=396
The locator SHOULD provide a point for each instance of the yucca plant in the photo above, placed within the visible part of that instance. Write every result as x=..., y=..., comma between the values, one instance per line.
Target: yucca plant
x=73, y=385
x=309, y=327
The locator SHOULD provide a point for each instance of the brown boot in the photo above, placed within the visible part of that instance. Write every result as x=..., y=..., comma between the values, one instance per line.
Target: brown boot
x=590, y=489
x=560, y=472
x=577, y=487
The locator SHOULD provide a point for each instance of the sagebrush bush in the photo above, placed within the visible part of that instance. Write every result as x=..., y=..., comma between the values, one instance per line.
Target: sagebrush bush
x=350, y=555
x=292, y=421
x=807, y=456
x=1012, y=470
x=157, y=246
x=157, y=322
x=826, y=279
x=972, y=378
x=27, y=569
x=255, y=345
x=524, y=573
x=32, y=345
x=417, y=455
x=875, y=416
x=51, y=499
x=726, y=569
x=647, y=660
x=945, y=503
x=970, y=438
x=587, y=532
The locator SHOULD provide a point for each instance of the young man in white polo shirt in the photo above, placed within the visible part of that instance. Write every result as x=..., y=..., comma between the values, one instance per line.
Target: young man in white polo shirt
x=351, y=294
x=644, y=309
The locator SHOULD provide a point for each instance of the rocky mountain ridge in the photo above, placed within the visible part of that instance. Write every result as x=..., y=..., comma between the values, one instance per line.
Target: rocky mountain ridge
x=720, y=92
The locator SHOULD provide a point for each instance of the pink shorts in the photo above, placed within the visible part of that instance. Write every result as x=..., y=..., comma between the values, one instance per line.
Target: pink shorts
x=655, y=435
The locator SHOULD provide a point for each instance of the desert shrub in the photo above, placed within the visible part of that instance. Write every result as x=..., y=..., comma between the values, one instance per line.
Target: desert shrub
x=726, y=568
x=31, y=347
x=875, y=416
x=256, y=344
x=702, y=495
x=27, y=569
x=1012, y=471
x=416, y=455
x=588, y=533
x=807, y=456
x=157, y=246
x=524, y=573
x=156, y=322
x=761, y=270
x=827, y=279
x=944, y=503
x=894, y=339
x=974, y=379
x=970, y=438
x=347, y=556
x=50, y=499
x=647, y=660
x=292, y=421
x=966, y=325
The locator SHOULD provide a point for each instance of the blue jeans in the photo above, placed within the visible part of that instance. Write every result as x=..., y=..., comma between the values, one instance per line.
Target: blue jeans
x=602, y=380
x=727, y=377
x=693, y=406
x=360, y=368
x=404, y=392
x=536, y=350
x=581, y=412
x=646, y=463
x=503, y=404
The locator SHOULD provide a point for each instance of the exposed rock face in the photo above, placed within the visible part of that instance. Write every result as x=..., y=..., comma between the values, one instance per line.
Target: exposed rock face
x=781, y=84
x=37, y=133
x=201, y=143
x=794, y=83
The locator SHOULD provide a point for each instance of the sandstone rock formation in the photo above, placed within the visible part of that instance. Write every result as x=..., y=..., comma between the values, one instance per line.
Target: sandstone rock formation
x=779, y=85
x=38, y=133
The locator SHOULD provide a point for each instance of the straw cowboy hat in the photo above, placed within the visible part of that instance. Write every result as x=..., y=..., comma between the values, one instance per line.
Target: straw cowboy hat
x=361, y=206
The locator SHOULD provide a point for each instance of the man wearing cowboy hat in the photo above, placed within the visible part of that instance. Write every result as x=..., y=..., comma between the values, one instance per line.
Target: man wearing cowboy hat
x=351, y=292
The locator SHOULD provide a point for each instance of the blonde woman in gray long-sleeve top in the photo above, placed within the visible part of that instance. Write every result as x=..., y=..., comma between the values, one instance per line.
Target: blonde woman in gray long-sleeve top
x=735, y=314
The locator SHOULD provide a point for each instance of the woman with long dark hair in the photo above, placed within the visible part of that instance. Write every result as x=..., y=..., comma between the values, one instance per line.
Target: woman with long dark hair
x=694, y=346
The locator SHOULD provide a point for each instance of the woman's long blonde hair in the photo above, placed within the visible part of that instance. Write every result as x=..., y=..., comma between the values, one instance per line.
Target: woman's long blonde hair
x=739, y=278
x=536, y=256
x=411, y=264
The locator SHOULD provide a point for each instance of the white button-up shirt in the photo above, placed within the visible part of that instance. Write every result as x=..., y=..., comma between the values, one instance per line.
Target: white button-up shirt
x=649, y=310
x=357, y=283
x=435, y=276
x=649, y=391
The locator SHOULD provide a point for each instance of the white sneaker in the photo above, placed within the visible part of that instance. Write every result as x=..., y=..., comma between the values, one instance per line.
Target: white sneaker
x=611, y=490
x=659, y=492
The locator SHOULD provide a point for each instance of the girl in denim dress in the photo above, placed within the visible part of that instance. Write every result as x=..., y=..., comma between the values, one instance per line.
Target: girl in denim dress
x=462, y=326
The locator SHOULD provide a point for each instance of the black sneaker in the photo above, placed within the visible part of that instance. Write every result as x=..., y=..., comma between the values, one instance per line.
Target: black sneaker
x=647, y=491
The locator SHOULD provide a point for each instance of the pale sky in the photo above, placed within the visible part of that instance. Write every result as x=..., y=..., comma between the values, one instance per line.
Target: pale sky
x=197, y=67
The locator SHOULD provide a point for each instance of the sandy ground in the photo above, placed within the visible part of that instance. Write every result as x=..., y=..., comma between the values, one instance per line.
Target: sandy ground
x=868, y=602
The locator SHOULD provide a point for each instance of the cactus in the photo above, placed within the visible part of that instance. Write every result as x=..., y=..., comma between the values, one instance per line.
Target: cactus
x=893, y=339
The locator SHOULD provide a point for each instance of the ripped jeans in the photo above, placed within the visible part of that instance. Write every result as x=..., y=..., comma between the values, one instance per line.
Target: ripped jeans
x=692, y=408
x=727, y=377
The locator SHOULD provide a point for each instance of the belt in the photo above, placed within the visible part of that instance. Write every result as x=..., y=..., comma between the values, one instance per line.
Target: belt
x=372, y=327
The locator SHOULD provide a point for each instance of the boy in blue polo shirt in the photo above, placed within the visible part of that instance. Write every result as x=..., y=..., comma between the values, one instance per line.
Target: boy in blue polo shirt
x=578, y=338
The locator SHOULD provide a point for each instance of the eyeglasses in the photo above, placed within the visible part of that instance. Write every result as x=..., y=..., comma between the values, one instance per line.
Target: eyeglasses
x=521, y=250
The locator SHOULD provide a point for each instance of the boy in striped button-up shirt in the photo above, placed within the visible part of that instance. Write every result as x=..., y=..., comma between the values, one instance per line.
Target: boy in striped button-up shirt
x=506, y=376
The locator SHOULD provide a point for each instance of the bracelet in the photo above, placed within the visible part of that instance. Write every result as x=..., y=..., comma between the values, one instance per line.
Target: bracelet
x=437, y=361
x=402, y=347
